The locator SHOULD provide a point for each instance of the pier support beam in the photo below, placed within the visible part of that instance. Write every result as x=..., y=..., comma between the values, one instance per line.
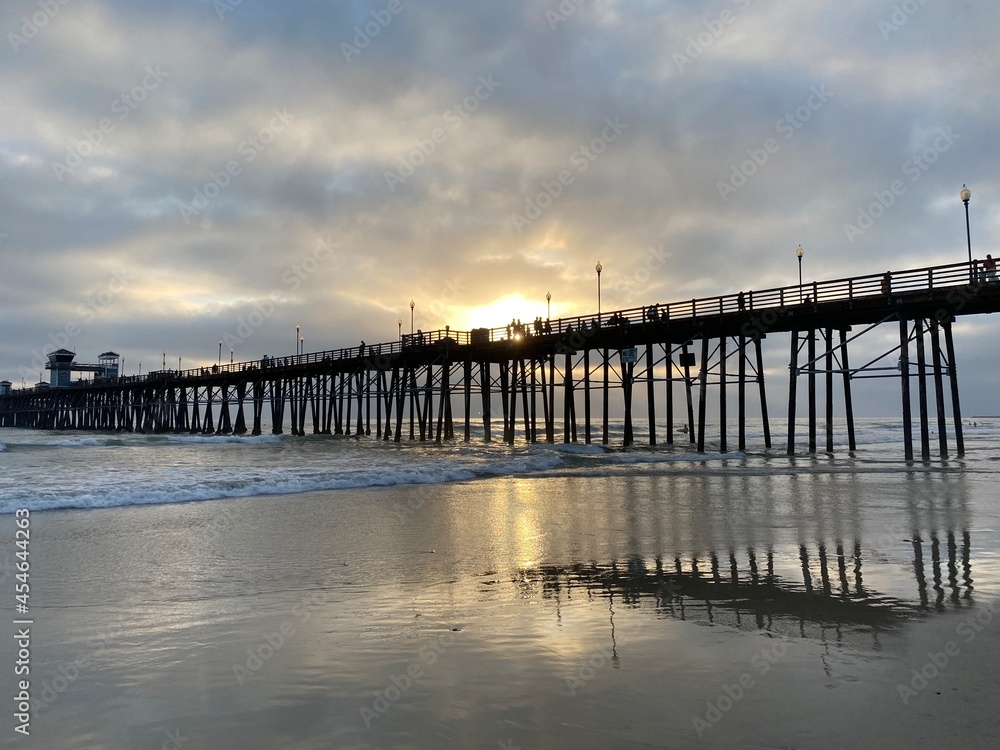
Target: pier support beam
x=904, y=372
x=949, y=344
x=848, y=398
x=938, y=388
x=793, y=377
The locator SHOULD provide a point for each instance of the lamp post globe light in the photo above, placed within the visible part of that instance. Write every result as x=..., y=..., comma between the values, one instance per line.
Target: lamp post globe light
x=548, y=305
x=799, y=252
x=220, y=351
x=965, y=195
x=399, y=322
x=598, y=268
x=412, y=305
x=297, y=326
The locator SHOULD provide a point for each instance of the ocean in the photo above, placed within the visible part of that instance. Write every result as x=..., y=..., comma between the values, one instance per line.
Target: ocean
x=45, y=470
x=341, y=592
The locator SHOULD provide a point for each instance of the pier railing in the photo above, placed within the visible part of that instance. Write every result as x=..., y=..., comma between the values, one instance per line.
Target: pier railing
x=811, y=293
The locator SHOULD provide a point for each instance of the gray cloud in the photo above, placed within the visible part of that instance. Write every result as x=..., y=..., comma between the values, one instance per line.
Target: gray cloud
x=444, y=236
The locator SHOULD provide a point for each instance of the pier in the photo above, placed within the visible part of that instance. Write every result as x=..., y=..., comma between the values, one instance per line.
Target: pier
x=678, y=355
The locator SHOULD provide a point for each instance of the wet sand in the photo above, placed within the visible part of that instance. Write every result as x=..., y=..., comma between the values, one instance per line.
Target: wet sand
x=712, y=606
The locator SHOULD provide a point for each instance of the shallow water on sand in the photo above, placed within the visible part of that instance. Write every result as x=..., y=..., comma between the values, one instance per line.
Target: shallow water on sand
x=732, y=603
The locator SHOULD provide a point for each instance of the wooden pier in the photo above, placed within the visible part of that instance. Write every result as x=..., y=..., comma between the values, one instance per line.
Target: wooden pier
x=427, y=385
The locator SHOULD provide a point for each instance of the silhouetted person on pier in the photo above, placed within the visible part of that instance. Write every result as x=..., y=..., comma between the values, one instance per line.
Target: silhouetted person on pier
x=989, y=269
x=361, y=349
x=741, y=301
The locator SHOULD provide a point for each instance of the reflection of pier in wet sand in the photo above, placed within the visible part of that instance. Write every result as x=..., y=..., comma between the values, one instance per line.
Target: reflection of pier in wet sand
x=741, y=589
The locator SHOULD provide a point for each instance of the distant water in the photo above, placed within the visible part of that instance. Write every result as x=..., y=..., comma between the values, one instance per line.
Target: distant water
x=51, y=470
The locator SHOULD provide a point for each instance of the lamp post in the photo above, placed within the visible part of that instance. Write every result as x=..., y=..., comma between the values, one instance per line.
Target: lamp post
x=178, y=364
x=399, y=323
x=598, y=268
x=548, y=305
x=220, y=352
x=412, y=305
x=232, y=353
x=164, y=361
x=302, y=345
x=799, y=252
x=297, y=326
x=966, y=194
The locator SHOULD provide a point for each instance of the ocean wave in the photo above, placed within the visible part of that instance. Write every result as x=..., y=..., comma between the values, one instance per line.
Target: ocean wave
x=220, y=439
x=2, y=447
x=69, y=443
x=277, y=481
x=669, y=458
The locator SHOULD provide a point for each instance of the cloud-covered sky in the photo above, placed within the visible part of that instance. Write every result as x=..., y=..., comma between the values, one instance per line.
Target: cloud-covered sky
x=173, y=174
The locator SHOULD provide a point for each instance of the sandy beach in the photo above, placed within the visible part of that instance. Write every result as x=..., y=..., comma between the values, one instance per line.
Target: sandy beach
x=717, y=606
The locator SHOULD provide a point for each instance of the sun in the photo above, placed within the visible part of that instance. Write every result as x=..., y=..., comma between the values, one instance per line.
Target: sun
x=500, y=312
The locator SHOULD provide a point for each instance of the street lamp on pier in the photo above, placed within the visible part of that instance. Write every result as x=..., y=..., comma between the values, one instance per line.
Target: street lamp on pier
x=220, y=352
x=399, y=322
x=412, y=305
x=302, y=345
x=232, y=353
x=799, y=252
x=297, y=327
x=966, y=194
x=548, y=305
x=598, y=268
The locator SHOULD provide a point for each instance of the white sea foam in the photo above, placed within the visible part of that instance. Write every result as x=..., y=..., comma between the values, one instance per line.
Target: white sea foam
x=219, y=439
x=69, y=443
x=104, y=490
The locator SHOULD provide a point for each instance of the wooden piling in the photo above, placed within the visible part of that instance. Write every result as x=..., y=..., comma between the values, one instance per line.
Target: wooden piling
x=793, y=377
x=938, y=388
x=925, y=439
x=904, y=371
x=956, y=408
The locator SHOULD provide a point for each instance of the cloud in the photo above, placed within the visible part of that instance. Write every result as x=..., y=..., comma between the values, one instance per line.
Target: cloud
x=323, y=175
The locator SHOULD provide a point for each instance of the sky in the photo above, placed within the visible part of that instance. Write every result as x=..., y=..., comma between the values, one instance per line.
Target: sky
x=176, y=174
